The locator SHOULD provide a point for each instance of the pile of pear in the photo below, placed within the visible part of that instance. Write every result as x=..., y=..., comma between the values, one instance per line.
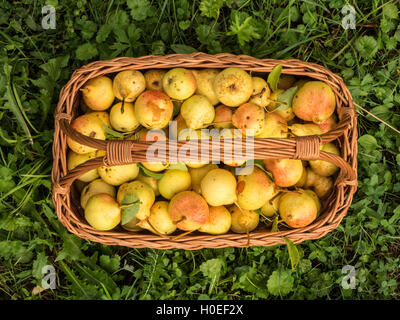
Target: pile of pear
x=202, y=196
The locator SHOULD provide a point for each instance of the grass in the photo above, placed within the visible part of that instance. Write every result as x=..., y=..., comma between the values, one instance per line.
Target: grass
x=36, y=63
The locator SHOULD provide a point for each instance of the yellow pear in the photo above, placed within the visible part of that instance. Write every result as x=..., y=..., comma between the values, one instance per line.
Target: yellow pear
x=205, y=81
x=128, y=84
x=197, y=174
x=98, y=93
x=286, y=172
x=95, y=187
x=197, y=111
x=143, y=192
x=75, y=159
x=243, y=221
x=218, y=187
x=153, y=79
x=261, y=92
x=152, y=182
x=88, y=125
x=179, y=83
x=219, y=221
x=305, y=129
x=320, y=184
x=275, y=126
x=174, y=181
x=254, y=190
x=117, y=175
x=102, y=212
x=297, y=209
x=123, y=118
x=233, y=86
x=159, y=220
x=325, y=168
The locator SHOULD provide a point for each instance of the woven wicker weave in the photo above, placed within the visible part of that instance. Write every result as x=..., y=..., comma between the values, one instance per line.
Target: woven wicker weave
x=66, y=197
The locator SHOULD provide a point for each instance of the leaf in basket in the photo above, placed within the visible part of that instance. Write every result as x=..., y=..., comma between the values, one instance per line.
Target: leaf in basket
x=274, y=227
x=130, y=206
x=285, y=99
x=293, y=253
x=178, y=166
x=112, y=134
x=273, y=77
x=177, y=107
x=146, y=172
x=259, y=164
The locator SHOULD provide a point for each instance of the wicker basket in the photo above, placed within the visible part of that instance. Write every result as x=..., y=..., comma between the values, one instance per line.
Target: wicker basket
x=66, y=197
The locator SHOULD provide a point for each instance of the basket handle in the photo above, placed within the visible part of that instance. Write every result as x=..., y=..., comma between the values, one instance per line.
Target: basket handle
x=302, y=148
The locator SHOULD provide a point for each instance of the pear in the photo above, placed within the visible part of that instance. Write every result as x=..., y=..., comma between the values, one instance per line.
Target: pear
x=243, y=221
x=223, y=117
x=133, y=225
x=297, y=209
x=205, y=80
x=275, y=126
x=315, y=101
x=154, y=135
x=305, y=129
x=271, y=207
x=128, y=84
x=197, y=111
x=174, y=181
x=261, y=92
x=302, y=180
x=313, y=195
x=233, y=86
x=197, y=174
x=321, y=185
x=286, y=81
x=88, y=125
x=287, y=113
x=102, y=212
x=254, y=190
x=191, y=134
x=123, y=117
x=153, y=79
x=159, y=220
x=188, y=210
x=179, y=83
x=117, y=175
x=218, y=187
x=180, y=125
x=286, y=172
x=143, y=192
x=329, y=124
x=103, y=116
x=75, y=159
x=152, y=182
x=95, y=187
x=153, y=109
x=249, y=118
x=229, y=158
x=98, y=93
x=325, y=168
x=219, y=221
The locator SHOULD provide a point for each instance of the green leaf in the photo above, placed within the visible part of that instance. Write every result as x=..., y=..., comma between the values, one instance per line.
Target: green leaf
x=293, y=253
x=243, y=26
x=86, y=51
x=131, y=207
x=177, y=166
x=367, y=46
x=140, y=9
x=273, y=77
x=112, y=133
x=274, y=227
x=368, y=142
x=286, y=98
x=280, y=283
x=148, y=173
x=212, y=267
x=40, y=261
x=109, y=264
x=182, y=48
x=210, y=8
x=390, y=10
